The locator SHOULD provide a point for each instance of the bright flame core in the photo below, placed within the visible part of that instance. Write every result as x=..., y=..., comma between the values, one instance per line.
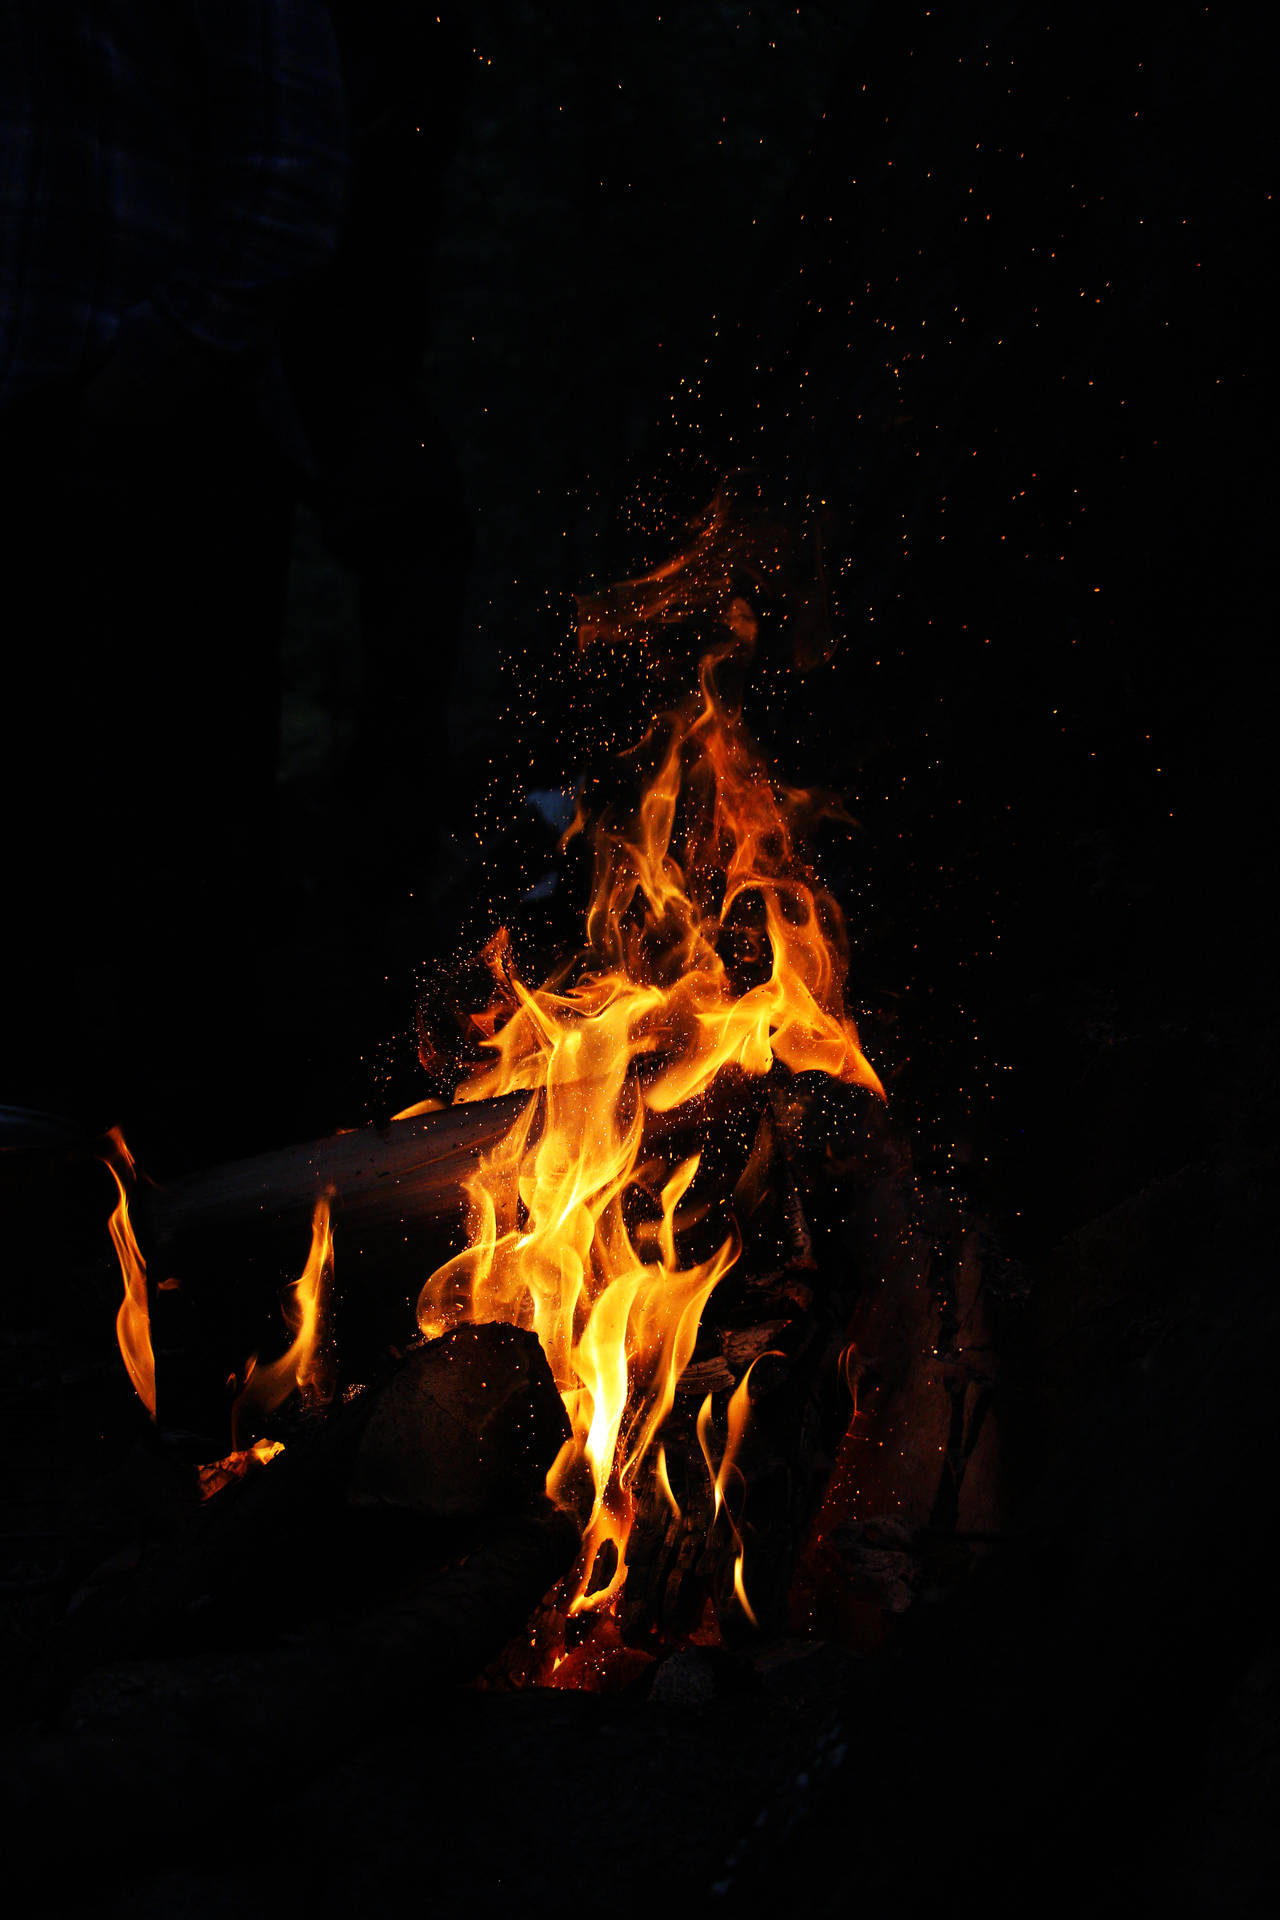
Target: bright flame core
x=572, y=1231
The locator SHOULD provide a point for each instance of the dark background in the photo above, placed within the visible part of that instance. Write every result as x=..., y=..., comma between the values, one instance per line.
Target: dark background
x=974, y=294
x=977, y=294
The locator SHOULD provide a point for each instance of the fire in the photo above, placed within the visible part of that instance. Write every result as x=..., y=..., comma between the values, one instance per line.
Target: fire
x=708, y=947
x=573, y=1227
x=419, y=1106
x=739, y=1411
x=299, y=1366
x=133, y=1322
x=263, y=1388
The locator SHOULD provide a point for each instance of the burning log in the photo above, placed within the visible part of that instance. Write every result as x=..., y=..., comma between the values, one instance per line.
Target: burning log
x=371, y=1511
x=384, y=1557
x=744, y=1457
x=222, y=1243
x=758, y=1418
x=711, y=955
x=386, y=1180
x=385, y=1177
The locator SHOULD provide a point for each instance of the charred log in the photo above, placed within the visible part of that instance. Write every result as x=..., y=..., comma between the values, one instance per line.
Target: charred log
x=383, y=1175
x=385, y=1498
x=384, y=1178
x=848, y=1304
x=385, y=1556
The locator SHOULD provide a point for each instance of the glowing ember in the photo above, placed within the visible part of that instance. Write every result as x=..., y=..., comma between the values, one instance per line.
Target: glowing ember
x=218, y=1474
x=572, y=1227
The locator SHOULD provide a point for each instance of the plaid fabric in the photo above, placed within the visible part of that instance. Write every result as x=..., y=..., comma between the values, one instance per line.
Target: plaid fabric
x=167, y=169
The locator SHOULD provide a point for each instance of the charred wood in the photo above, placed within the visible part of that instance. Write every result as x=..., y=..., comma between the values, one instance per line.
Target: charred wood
x=827, y=1196
x=381, y=1560
x=413, y=1166
x=381, y=1177
x=377, y=1501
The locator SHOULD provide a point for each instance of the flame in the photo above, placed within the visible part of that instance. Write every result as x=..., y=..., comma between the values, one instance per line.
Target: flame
x=133, y=1322
x=739, y=1586
x=572, y=1230
x=419, y=1106
x=663, y=1479
x=299, y=1366
x=739, y=1411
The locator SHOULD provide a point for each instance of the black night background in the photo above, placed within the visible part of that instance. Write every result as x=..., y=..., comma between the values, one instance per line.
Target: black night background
x=971, y=298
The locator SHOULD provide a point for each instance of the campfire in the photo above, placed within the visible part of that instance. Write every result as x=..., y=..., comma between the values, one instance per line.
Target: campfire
x=639, y=1235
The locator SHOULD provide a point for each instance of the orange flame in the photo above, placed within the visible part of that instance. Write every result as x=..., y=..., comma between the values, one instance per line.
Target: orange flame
x=265, y=1387
x=133, y=1322
x=739, y=1410
x=663, y=1479
x=571, y=1231
x=419, y=1106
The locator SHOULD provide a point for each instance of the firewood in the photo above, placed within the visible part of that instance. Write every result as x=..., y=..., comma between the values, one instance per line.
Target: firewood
x=825, y=1196
x=407, y=1168
x=369, y=1563
x=221, y=1245
x=381, y=1178
x=372, y=1502
x=825, y=1169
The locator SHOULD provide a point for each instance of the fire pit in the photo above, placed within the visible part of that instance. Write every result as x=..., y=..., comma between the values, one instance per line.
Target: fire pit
x=670, y=1265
